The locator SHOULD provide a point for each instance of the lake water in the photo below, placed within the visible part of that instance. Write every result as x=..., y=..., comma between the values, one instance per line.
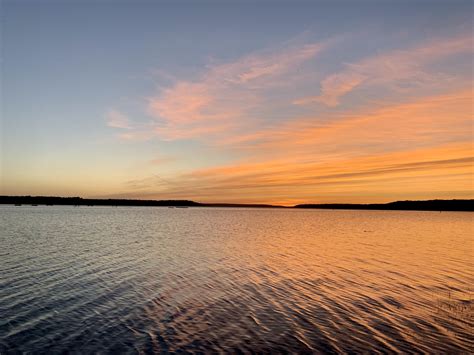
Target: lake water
x=133, y=279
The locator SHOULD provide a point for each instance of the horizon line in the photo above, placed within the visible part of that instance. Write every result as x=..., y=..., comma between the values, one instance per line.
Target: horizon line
x=432, y=204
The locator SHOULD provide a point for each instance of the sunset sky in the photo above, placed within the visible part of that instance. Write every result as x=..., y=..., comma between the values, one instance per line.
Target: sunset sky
x=279, y=102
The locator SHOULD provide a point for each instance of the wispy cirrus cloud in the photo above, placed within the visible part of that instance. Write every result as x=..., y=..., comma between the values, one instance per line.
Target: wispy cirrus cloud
x=429, y=120
x=393, y=69
x=117, y=119
x=226, y=96
x=333, y=87
x=232, y=100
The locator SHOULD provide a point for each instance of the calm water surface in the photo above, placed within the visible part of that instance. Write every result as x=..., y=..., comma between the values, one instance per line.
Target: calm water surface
x=132, y=279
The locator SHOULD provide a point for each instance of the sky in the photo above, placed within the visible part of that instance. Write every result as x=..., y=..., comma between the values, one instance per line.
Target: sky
x=280, y=102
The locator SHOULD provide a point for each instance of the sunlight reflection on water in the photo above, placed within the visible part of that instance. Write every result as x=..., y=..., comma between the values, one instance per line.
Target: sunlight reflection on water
x=207, y=279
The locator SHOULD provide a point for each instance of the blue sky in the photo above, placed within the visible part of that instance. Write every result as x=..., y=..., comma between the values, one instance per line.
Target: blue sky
x=111, y=98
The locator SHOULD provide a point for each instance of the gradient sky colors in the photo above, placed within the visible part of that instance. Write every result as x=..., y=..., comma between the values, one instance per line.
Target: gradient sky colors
x=251, y=101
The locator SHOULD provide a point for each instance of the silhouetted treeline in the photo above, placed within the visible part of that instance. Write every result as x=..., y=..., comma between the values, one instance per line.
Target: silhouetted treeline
x=78, y=201
x=430, y=205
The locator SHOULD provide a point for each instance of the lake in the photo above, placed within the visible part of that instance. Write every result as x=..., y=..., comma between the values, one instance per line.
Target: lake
x=151, y=279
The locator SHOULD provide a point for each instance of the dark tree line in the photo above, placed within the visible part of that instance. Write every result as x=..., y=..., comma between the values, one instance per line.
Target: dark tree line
x=430, y=205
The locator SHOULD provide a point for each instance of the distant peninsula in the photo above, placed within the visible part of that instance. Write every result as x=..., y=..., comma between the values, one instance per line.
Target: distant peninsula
x=428, y=205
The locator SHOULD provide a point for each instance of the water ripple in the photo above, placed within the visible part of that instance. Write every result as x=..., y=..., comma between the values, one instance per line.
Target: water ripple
x=156, y=280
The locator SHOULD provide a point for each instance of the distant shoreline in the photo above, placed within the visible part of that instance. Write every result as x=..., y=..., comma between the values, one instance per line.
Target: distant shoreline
x=428, y=205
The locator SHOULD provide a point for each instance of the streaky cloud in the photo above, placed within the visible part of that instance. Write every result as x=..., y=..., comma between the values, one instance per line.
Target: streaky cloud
x=117, y=119
x=389, y=69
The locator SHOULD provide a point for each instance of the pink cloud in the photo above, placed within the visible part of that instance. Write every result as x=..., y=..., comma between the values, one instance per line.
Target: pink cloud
x=390, y=69
x=226, y=96
x=334, y=87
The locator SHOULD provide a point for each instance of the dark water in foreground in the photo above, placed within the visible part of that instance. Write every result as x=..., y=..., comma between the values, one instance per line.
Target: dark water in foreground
x=103, y=279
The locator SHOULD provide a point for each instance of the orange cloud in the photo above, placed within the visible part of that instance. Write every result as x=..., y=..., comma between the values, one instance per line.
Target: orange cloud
x=424, y=172
x=421, y=149
x=428, y=121
x=392, y=148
